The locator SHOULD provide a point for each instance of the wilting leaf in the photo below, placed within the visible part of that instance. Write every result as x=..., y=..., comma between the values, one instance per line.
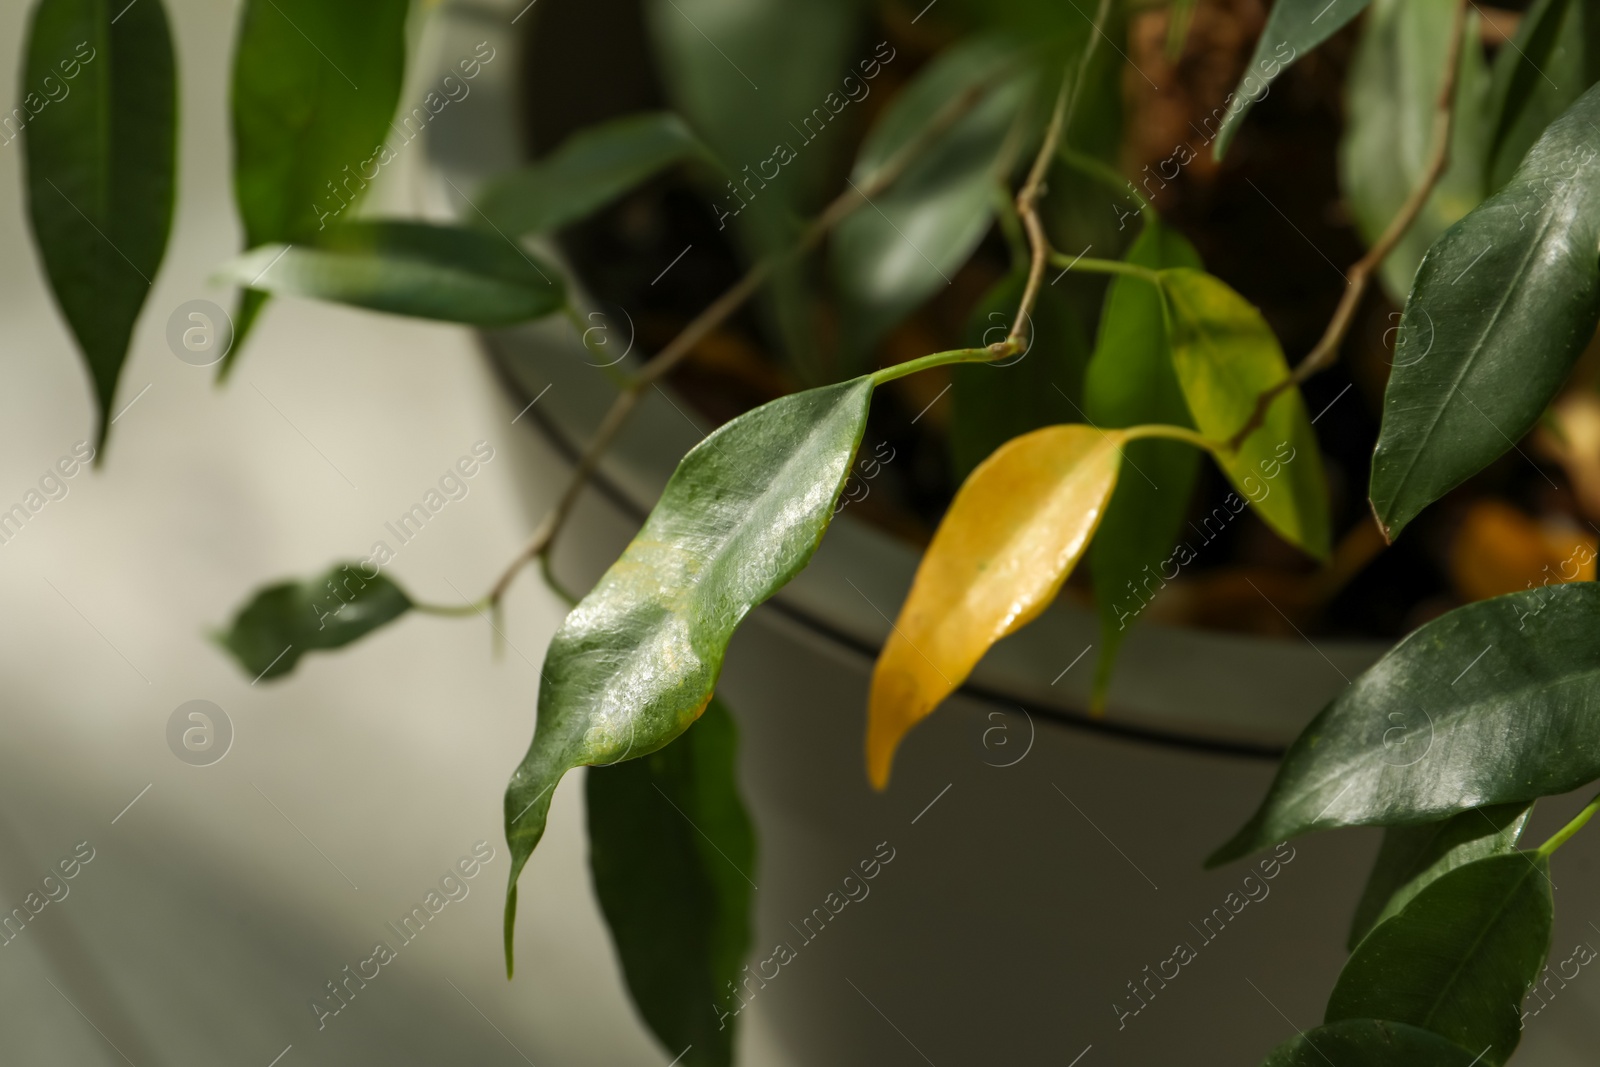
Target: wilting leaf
x=1130, y=382
x=1225, y=356
x=1294, y=28
x=1392, y=90
x=409, y=268
x=1412, y=857
x=1459, y=958
x=1554, y=57
x=589, y=170
x=283, y=622
x=1503, y=305
x=1368, y=1043
x=1010, y=539
x=99, y=103
x=1493, y=703
x=672, y=853
x=637, y=660
x=315, y=85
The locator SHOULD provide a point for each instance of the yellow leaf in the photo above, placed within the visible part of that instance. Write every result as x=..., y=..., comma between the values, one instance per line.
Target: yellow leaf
x=1011, y=537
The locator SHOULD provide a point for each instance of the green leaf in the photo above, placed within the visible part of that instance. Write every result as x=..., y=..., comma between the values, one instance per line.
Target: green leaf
x=1225, y=356
x=1412, y=857
x=1368, y=1043
x=1502, y=307
x=1294, y=28
x=315, y=86
x=409, y=268
x=1459, y=959
x=672, y=850
x=285, y=621
x=1131, y=382
x=591, y=168
x=100, y=102
x=1391, y=93
x=1493, y=703
x=637, y=660
x=1554, y=57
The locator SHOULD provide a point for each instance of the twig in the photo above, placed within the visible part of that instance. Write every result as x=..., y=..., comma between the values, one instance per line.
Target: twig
x=1327, y=350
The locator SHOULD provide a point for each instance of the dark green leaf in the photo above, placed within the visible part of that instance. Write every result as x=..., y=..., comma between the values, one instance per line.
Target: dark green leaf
x=1368, y=1043
x=1497, y=702
x=1414, y=856
x=1130, y=382
x=1503, y=305
x=1554, y=57
x=637, y=660
x=589, y=170
x=283, y=622
x=100, y=103
x=1459, y=958
x=672, y=853
x=1294, y=28
x=409, y=268
x=315, y=85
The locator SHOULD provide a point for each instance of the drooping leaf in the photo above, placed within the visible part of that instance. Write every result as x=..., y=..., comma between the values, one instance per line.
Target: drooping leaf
x=672, y=853
x=1010, y=539
x=428, y=271
x=1497, y=702
x=588, y=171
x=1554, y=57
x=1412, y=857
x=100, y=111
x=1294, y=28
x=636, y=661
x=1459, y=958
x=283, y=622
x=1391, y=92
x=1502, y=306
x=1131, y=381
x=1368, y=1043
x=1225, y=356
x=315, y=86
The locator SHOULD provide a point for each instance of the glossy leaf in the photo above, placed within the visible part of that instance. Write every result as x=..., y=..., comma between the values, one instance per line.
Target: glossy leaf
x=1503, y=305
x=636, y=661
x=100, y=112
x=1130, y=382
x=1294, y=28
x=1412, y=857
x=1554, y=57
x=1368, y=1043
x=409, y=268
x=672, y=853
x=1497, y=702
x=283, y=622
x=589, y=170
x=1225, y=356
x=315, y=87
x=1010, y=539
x=1459, y=958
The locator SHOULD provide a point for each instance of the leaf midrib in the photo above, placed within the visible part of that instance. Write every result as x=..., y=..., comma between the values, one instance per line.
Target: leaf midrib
x=1477, y=942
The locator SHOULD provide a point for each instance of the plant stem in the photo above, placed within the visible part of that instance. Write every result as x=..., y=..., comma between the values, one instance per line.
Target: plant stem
x=1560, y=837
x=998, y=350
x=475, y=608
x=1105, y=266
x=1327, y=350
x=1174, y=433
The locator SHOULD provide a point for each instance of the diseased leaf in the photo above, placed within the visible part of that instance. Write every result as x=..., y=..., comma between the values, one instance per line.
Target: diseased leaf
x=1225, y=356
x=315, y=86
x=1554, y=57
x=1412, y=857
x=1294, y=28
x=1459, y=958
x=1368, y=1043
x=672, y=853
x=1131, y=381
x=636, y=661
x=409, y=268
x=1503, y=305
x=1010, y=539
x=283, y=622
x=1493, y=703
x=101, y=159
x=591, y=168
